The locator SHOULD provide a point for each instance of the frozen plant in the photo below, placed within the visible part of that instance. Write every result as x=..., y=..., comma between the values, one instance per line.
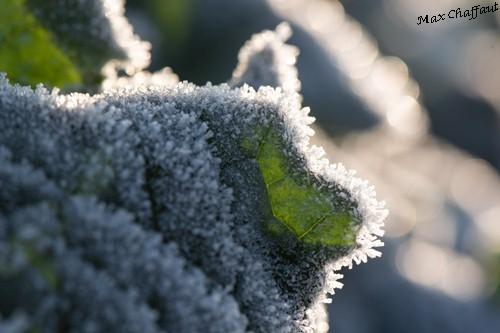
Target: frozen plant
x=158, y=206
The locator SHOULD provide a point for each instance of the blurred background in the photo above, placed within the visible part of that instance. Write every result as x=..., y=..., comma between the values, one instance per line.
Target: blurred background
x=414, y=108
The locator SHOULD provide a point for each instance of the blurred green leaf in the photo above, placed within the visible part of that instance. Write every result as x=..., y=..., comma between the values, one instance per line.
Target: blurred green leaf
x=28, y=53
x=174, y=19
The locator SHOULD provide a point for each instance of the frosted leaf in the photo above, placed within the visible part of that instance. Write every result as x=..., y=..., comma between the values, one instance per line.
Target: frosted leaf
x=176, y=199
x=265, y=60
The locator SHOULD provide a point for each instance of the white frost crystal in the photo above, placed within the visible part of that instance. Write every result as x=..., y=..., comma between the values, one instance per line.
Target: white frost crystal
x=143, y=208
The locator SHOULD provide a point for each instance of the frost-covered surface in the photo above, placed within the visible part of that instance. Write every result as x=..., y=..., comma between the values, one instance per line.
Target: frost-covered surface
x=144, y=208
x=163, y=77
x=265, y=60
